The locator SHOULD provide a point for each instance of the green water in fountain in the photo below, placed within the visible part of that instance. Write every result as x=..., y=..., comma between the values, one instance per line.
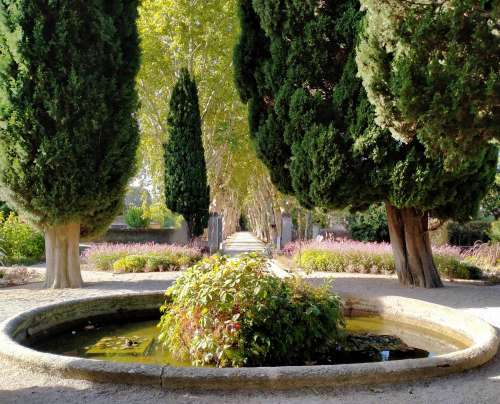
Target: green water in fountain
x=135, y=342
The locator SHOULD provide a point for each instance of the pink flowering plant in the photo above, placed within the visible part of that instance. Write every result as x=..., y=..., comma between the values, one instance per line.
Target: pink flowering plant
x=146, y=257
x=365, y=257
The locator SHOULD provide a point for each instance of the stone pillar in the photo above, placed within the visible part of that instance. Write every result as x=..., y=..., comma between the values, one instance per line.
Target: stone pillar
x=286, y=231
x=214, y=232
x=181, y=235
x=315, y=230
x=273, y=232
x=220, y=232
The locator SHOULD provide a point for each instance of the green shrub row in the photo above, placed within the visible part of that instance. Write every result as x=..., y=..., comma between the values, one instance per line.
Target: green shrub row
x=154, y=262
x=377, y=263
x=147, y=257
x=19, y=242
x=347, y=261
x=231, y=313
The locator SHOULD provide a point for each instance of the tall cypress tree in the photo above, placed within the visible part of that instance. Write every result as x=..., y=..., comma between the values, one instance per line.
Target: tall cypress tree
x=431, y=70
x=315, y=128
x=186, y=189
x=68, y=135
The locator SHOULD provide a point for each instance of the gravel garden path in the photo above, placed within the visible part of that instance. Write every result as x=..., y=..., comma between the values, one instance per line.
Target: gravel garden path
x=242, y=242
x=476, y=386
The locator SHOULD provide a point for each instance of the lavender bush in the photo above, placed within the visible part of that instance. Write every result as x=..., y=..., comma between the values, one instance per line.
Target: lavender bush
x=364, y=257
x=147, y=257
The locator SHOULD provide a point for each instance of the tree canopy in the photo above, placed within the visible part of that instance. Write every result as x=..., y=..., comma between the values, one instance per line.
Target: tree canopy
x=68, y=136
x=431, y=69
x=315, y=128
x=201, y=35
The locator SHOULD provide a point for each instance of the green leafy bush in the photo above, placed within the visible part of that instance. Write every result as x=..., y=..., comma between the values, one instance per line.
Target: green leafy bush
x=467, y=234
x=5, y=209
x=135, y=218
x=130, y=263
x=159, y=213
x=231, y=312
x=494, y=231
x=19, y=241
x=454, y=268
x=370, y=225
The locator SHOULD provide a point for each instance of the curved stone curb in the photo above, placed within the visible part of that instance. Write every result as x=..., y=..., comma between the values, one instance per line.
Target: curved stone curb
x=482, y=338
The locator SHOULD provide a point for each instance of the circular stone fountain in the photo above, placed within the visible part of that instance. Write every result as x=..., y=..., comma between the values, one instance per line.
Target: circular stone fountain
x=17, y=333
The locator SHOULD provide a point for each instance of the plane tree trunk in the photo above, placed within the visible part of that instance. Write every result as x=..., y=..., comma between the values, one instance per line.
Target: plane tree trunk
x=408, y=229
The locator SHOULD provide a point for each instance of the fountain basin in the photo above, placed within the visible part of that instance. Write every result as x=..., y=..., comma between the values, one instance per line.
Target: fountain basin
x=480, y=338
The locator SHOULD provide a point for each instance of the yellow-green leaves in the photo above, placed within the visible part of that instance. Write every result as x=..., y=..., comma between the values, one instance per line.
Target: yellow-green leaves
x=232, y=312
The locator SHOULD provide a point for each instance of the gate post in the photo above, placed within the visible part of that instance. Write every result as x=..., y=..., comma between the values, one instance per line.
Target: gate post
x=214, y=232
x=316, y=230
x=286, y=231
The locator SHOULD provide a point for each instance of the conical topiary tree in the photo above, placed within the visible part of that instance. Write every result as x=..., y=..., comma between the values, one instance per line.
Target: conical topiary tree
x=68, y=135
x=315, y=129
x=186, y=189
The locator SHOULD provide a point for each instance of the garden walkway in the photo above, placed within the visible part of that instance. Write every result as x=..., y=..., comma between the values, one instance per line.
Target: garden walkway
x=481, y=386
x=242, y=242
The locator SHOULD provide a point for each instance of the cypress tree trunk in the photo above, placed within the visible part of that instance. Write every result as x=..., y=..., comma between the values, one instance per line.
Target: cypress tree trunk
x=63, y=256
x=411, y=245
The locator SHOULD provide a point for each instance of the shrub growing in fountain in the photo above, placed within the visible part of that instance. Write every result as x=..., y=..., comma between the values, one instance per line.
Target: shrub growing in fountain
x=227, y=313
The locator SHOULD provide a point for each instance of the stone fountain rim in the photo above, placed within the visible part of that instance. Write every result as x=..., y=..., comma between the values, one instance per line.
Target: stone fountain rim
x=483, y=337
